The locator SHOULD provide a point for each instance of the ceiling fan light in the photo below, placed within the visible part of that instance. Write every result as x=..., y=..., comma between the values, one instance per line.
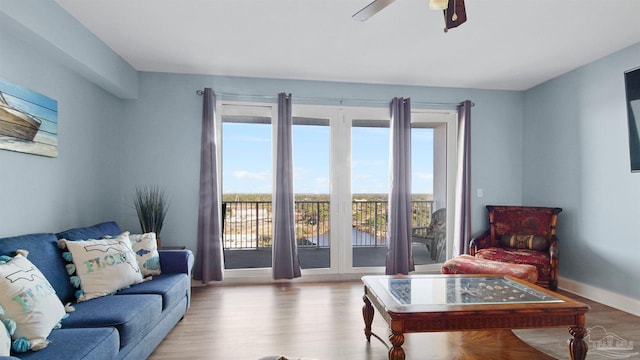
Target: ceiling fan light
x=438, y=4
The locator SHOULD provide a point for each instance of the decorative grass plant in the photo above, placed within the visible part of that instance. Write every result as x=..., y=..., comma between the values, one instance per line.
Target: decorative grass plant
x=151, y=205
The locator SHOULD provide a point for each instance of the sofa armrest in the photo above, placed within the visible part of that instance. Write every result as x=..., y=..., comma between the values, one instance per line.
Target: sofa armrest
x=176, y=261
x=479, y=242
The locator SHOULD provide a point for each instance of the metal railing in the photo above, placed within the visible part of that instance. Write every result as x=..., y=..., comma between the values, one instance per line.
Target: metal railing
x=247, y=224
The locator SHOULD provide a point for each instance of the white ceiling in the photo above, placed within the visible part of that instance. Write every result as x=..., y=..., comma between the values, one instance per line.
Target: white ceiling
x=505, y=44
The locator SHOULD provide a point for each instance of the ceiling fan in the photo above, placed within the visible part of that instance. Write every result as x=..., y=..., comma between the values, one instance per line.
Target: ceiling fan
x=454, y=11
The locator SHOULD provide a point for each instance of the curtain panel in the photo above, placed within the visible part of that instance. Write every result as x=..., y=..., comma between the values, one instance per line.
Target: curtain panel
x=209, y=264
x=286, y=264
x=399, y=255
x=462, y=222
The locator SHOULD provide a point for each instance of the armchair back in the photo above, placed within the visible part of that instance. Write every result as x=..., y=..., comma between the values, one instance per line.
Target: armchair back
x=522, y=220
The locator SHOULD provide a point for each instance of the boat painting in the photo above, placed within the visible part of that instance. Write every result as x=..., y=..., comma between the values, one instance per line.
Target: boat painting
x=17, y=123
x=28, y=121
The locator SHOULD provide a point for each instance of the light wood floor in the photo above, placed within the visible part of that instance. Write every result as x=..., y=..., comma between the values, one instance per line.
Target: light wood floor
x=324, y=321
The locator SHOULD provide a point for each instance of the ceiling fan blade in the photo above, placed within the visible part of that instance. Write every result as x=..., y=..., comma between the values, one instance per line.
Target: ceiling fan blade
x=371, y=9
x=455, y=14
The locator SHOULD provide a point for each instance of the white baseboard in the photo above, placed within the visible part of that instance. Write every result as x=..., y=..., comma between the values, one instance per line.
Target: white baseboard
x=261, y=277
x=606, y=297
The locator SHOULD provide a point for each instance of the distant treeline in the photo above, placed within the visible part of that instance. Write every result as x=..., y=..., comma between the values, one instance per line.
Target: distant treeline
x=319, y=197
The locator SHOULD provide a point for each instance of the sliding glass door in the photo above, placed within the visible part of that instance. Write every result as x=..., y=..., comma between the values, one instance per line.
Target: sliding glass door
x=341, y=185
x=247, y=185
x=311, y=146
x=369, y=190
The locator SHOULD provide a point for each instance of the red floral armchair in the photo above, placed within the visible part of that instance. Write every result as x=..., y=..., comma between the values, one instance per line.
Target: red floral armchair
x=522, y=235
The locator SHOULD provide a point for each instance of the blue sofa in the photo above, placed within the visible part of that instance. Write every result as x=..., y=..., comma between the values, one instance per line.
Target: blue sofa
x=127, y=325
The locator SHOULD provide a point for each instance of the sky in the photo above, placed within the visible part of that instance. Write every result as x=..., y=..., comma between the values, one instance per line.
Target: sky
x=247, y=163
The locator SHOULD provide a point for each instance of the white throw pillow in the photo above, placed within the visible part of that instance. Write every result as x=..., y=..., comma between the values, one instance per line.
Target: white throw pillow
x=5, y=340
x=29, y=306
x=146, y=248
x=101, y=267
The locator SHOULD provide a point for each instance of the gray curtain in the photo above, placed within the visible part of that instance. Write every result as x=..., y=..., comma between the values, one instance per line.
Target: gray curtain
x=462, y=224
x=286, y=264
x=399, y=256
x=209, y=262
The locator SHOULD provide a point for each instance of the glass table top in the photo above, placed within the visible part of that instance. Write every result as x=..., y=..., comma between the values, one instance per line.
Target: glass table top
x=418, y=290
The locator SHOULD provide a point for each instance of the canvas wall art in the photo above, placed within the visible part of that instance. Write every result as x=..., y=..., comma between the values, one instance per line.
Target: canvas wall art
x=28, y=121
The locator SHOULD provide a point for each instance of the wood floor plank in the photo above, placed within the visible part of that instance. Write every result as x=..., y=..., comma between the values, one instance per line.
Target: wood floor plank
x=324, y=321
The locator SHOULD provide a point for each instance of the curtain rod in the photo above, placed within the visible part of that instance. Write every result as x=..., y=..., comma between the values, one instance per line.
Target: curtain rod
x=341, y=101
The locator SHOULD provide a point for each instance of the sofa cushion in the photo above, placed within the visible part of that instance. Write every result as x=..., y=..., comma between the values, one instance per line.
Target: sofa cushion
x=46, y=256
x=467, y=264
x=172, y=288
x=146, y=248
x=130, y=315
x=79, y=344
x=143, y=345
x=97, y=231
x=520, y=256
x=28, y=302
x=101, y=267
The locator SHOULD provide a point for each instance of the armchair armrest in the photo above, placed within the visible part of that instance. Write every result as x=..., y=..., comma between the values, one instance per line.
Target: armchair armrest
x=553, y=249
x=554, y=263
x=176, y=261
x=479, y=242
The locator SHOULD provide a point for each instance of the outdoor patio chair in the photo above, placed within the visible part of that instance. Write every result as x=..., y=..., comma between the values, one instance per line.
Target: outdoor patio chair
x=433, y=236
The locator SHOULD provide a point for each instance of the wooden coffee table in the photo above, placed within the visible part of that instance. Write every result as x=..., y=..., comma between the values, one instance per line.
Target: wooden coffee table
x=431, y=303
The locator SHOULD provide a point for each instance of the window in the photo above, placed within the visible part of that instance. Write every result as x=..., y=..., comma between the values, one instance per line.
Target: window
x=246, y=186
x=311, y=149
x=341, y=184
x=370, y=189
x=425, y=247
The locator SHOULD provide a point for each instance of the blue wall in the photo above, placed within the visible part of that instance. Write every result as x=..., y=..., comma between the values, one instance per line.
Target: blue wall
x=48, y=27
x=80, y=186
x=119, y=129
x=161, y=137
x=576, y=156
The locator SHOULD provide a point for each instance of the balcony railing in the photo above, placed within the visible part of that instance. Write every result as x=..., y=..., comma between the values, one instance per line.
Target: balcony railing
x=247, y=224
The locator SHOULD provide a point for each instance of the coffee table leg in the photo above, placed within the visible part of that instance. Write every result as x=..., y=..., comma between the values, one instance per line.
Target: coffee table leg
x=396, y=352
x=367, y=314
x=577, y=346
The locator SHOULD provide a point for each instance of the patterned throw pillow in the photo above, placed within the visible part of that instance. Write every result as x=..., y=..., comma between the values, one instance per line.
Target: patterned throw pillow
x=29, y=306
x=101, y=267
x=146, y=248
x=281, y=357
x=531, y=242
x=5, y=340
